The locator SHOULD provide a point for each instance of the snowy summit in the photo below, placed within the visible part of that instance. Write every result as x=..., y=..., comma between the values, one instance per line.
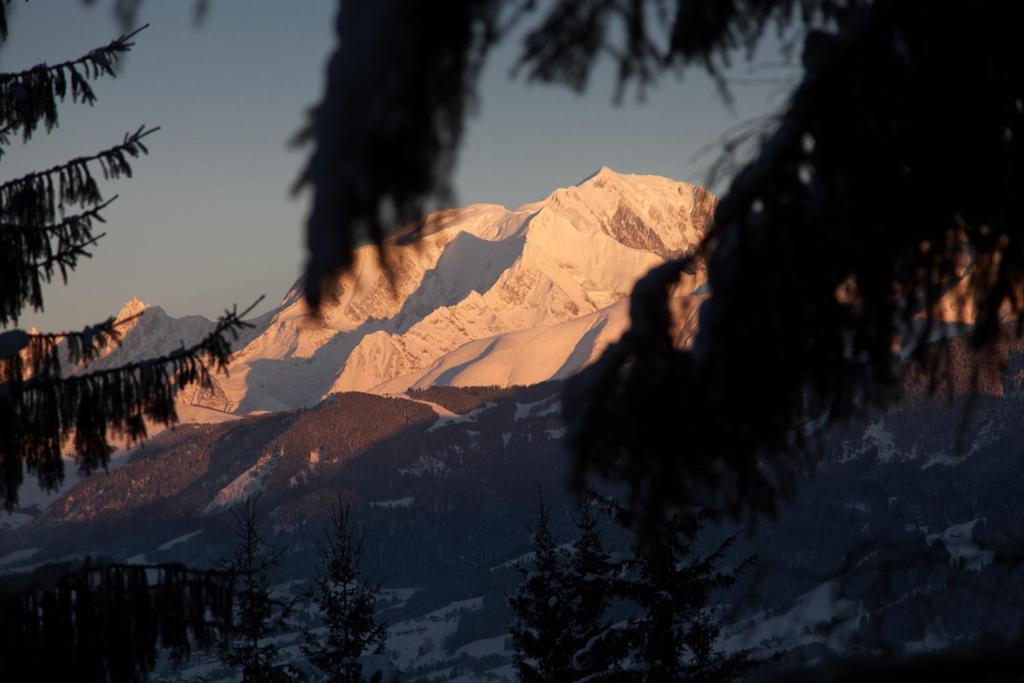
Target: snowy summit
x=490, y=296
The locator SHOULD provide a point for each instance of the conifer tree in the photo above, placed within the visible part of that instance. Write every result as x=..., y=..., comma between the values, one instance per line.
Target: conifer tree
x=588, y=578
x=589, y=565
x=48, y=396
x=250, y=648
x=348, y=603
x=542, y=624
x=671, y=634
x=562, y=629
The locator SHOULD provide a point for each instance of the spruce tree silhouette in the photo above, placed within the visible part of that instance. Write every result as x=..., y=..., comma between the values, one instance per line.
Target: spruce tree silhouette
x=563, y=629
x=348, y=604
x=541, y=629
x=672, y=634
x=587, y=580
x=249, y=647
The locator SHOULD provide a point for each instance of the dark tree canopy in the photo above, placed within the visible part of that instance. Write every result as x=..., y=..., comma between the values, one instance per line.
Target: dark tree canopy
x=108, y=622
x=585, y=614
x=399, y=86
x=887, y=180
x=543, y=645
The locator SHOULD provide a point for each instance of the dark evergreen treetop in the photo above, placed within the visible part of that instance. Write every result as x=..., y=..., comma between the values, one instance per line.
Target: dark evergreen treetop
x=543, y=641
x=249, y=647
x=348, y=603
x=589, y=567
x=673, y=635
x=564, y=626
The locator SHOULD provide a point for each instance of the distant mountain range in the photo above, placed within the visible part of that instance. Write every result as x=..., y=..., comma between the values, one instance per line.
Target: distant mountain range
x=490, y=296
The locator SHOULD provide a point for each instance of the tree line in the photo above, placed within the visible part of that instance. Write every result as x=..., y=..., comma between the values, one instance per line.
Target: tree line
x=120, y=622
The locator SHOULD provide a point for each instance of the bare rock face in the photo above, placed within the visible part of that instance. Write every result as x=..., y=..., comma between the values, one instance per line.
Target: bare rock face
x=629, y=229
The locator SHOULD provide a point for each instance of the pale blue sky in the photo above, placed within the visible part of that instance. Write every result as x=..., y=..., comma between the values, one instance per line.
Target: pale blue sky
x=208, y=221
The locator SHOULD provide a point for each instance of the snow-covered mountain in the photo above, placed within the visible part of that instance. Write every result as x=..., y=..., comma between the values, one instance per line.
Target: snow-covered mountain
x=147, y=332
x=490, y=296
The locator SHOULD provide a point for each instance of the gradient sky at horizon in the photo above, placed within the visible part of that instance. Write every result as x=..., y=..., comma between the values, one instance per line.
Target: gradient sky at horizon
x=208, y=221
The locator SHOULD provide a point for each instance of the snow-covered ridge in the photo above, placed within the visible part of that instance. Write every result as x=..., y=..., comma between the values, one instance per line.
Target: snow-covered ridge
x=488, y=295
x=146, y=332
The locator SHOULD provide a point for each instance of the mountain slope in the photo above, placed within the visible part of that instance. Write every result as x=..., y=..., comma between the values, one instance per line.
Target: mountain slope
x=538, y=354
x=892, y=535
x=147, y=332
x=480, y=272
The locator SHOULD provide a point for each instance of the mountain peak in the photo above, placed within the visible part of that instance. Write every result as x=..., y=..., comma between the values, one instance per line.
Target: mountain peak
x=132, y=307
x=488, y=296
x=603, y=172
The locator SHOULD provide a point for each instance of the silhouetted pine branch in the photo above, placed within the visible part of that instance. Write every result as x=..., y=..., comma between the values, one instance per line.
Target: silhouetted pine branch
x=30, y=255
x=3, y=19
x=35, y=243
x=29, y=97
x=67, y=255
x=34, y=198
x=40, y=413
x=28, y=354
x=363, y=184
